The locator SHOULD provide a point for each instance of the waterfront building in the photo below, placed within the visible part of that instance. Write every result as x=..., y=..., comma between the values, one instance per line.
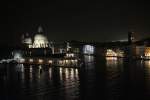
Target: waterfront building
x=147, y=52
x=88, y=49
x=139, y=52
x=39, y=40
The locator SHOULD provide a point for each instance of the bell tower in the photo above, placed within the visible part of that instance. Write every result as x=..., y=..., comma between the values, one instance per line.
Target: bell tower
x=130, y=37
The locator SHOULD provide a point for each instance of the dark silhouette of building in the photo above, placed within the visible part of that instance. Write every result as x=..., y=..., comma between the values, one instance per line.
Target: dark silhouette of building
x=130, y=37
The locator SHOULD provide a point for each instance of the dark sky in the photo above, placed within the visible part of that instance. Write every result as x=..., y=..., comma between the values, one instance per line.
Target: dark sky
x=76, y=20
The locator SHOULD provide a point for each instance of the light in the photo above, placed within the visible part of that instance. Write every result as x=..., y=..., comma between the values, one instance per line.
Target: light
x=17, y=55
x=88, y=49
x=72, y=61
x=40, y=41
x=76, y=60
x=40, y=60
x=50, y=61
x=30, y=60
x=70, y=55
x=22, y=60
x=30, y=69
x=111, y=58
x=40, y=67
x=66, y=61
x=60, y=62
x=111, y=53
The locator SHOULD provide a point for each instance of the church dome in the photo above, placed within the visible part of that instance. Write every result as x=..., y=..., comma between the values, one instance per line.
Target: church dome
x=40, y=38
x=40, y=41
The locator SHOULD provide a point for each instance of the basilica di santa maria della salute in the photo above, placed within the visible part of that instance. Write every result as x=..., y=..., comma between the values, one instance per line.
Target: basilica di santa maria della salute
x=38, y=41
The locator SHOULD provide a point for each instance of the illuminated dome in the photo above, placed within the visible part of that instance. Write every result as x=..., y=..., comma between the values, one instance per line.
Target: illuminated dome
x=40, y=41
x=40, y=38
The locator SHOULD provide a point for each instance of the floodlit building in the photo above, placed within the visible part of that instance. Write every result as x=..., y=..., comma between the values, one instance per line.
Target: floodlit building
x=111, y=53
x=147, y=52
x=88, y=49
x=114, y=53
x=139, y=52
x=39, y=40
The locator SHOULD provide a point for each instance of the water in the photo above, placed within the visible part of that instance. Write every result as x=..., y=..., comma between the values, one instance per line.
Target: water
x=98, y=79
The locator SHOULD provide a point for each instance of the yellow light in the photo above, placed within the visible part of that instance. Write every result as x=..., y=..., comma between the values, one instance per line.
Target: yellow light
x=66, y=61
x=111, y=58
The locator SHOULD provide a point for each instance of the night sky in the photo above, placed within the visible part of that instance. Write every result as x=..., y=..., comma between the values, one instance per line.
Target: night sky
x=75, y=20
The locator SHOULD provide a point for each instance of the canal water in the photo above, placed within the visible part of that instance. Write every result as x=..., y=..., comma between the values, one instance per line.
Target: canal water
x=97, y=79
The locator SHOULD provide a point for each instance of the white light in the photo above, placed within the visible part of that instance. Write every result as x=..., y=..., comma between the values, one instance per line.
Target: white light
x=40, y=60
x=50, y=61
x=66, y=61
x=17, y=55
x=40, y=67
x=72, y=61
x=30, y=69
x=70, y=55
x=22, y=60
x=30, y=60
x=27, y=41
x=40, y=41
x=60, y=61
x=88, y=49
x=76, y=60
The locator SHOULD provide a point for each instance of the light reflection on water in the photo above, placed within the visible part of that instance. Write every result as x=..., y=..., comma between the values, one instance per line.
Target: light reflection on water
x=89, y=61
x=36, y=83
x=106, y=80
x=113, y=77
x=147, y=77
